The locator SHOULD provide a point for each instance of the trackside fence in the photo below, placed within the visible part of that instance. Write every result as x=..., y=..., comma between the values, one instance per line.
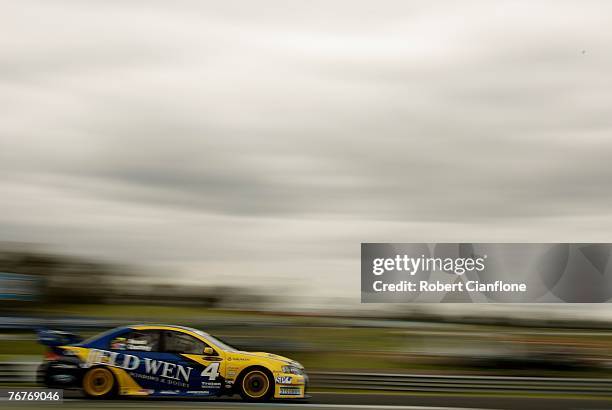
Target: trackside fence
x=24, y=373
x=18, y=373
x=420, y=383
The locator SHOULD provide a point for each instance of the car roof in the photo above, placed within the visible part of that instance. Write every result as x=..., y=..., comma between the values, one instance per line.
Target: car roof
x=100, y=338
x=162, y=326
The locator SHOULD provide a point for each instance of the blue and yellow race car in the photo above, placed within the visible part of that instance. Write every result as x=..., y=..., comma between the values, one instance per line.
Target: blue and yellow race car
x=162, y=360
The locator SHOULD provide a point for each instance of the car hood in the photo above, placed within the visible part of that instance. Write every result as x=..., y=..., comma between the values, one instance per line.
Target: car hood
x=266, y=355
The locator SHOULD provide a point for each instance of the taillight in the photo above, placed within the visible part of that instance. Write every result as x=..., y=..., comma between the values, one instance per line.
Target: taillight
x=51, y=356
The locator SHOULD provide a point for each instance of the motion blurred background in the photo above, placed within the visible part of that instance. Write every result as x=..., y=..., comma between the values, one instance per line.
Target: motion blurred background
x=217, y=164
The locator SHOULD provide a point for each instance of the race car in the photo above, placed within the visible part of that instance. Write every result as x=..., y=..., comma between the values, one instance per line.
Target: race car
x=163, y=360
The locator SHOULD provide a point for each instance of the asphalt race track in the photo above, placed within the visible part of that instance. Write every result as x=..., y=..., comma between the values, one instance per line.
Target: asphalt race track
x=334, y=401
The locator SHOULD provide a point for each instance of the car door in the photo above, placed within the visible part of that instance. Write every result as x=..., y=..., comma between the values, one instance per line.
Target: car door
x=140, y=354
x=202, y=373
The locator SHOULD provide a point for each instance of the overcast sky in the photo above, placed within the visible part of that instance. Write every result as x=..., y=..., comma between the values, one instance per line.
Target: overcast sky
x=262, y=142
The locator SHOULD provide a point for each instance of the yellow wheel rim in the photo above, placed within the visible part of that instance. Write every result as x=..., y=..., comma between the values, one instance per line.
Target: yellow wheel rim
x=255, y=384
x=98, y=382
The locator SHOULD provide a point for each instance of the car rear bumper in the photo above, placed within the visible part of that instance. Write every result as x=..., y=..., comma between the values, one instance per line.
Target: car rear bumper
x=59, y=374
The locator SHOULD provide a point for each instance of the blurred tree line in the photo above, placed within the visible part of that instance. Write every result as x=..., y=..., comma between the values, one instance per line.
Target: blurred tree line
x=63, y=279
x=60, y=279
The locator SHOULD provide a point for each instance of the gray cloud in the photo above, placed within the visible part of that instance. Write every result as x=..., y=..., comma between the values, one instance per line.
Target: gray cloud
x=228, y=137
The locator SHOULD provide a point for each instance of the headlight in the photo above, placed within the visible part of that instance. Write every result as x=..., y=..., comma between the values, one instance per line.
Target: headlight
x=292, y=370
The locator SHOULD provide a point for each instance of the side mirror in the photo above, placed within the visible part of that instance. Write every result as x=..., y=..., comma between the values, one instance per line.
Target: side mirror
x=208, y=351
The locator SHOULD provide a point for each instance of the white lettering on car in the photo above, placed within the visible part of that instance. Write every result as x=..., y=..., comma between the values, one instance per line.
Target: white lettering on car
x=211, y=372
x=151, y=367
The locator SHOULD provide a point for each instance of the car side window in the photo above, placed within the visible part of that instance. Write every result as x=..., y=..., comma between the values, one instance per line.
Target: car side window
x=143, y=340
x=178, y=342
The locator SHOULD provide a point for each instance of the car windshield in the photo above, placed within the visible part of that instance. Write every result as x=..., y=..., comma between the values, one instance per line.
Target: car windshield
x=216, y=341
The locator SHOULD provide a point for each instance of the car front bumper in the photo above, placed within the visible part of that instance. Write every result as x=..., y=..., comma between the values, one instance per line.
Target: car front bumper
x=290, y=386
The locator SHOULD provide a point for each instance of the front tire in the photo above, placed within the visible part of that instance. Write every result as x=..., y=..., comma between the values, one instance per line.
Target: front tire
x=99, y=383
x=256, y=385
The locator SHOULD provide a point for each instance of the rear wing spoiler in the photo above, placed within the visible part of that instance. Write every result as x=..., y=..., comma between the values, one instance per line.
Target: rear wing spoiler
x=54, y=338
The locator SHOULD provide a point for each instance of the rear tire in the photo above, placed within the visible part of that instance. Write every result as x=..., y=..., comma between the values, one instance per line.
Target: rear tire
x=256, y=385
x=99, y=383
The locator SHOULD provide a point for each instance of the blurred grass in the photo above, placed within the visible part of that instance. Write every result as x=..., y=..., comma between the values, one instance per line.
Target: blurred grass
x=327, y=343
x=12, y=348
x=135, y=311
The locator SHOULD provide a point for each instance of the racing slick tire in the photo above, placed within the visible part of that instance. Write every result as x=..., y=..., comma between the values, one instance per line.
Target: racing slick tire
x=256, y=385
x=99, y=383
